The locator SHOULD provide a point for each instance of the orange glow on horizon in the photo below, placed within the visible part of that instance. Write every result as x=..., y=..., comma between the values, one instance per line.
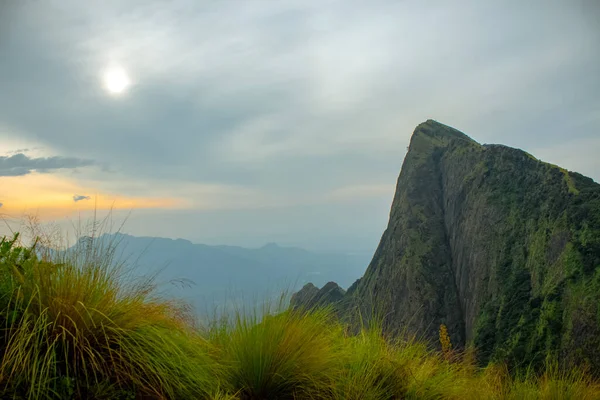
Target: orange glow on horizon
x=51, y=196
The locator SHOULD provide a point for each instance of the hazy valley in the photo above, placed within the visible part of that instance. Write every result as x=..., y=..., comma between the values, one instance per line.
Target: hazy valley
x=210, y=277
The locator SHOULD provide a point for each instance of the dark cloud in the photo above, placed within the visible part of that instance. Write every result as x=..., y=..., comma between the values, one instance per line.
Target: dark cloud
x=1, y=204
x=79, y=197
x=21, y=164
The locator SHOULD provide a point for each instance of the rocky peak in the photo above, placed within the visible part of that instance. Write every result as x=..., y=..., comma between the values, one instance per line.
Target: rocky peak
x=310, y=296
x=493, y=243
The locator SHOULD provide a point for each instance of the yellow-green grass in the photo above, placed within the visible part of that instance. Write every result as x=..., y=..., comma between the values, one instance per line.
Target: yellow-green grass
x=554, y=384
x=369, y=367
x=77, y=325
x=278, y=355
x=80, y=330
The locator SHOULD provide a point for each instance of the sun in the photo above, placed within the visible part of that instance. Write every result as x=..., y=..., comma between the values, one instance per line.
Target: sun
x=116, y=80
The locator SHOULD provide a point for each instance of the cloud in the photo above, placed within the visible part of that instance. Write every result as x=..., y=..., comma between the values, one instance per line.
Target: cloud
x=21, y=164
x=78, y=197
x=216, y=89
x=294, y=101
x=51, y=196
x=1, y=204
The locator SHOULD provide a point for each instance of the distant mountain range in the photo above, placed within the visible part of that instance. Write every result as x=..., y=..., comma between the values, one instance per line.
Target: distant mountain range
x=209, y=276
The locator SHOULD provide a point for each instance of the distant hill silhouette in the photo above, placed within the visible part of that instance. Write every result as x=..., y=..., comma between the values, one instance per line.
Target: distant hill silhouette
x=210, y=275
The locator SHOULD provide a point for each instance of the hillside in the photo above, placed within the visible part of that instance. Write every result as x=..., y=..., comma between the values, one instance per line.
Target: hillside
x=499, y=246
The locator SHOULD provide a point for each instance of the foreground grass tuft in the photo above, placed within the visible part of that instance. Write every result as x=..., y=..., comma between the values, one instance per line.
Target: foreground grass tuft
x=370, y=368
x=286, y=355
x=81, y=330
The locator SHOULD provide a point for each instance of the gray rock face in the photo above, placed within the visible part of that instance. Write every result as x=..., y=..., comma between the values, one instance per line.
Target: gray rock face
x=500, y=247
x=411, y=278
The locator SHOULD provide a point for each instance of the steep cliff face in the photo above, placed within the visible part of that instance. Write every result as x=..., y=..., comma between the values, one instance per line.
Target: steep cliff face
x=500, y=247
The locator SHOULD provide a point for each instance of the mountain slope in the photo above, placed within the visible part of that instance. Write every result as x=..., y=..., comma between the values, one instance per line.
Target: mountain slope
x=500, y=247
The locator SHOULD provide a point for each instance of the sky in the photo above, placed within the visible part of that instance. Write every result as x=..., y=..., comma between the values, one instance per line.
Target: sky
x=247, y=122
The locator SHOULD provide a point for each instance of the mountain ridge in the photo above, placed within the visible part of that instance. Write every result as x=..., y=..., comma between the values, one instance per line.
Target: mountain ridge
x=216, y=275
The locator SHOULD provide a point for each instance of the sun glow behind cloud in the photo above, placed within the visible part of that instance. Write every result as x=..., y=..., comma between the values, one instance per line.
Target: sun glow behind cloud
x=51, y=196
x=116, y=80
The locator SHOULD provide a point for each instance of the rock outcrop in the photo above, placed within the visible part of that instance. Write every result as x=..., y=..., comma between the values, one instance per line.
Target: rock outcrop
x=310, y=296
x=499, y=246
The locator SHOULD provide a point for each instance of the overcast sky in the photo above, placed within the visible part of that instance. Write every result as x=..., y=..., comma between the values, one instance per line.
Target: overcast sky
x=248, y=122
